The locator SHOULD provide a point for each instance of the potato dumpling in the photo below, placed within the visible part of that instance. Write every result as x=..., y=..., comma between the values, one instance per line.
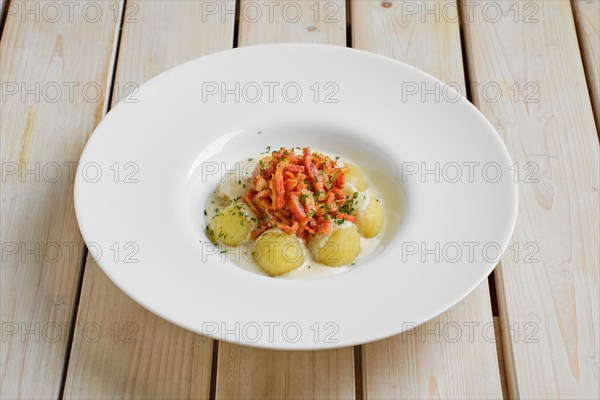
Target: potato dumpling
x=277, y=252
x=369, y=215
x=354, y=177
x=230, y=226
x=340, y=248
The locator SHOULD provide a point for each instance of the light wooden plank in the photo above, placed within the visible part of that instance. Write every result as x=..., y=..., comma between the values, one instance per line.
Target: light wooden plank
x=454, y=355
x=157, y=359
x=500, y=352
x=249, y=373
x=548, y=293
x=123, y=351
x=288, y=21
x=587, y=19
x=44, y=126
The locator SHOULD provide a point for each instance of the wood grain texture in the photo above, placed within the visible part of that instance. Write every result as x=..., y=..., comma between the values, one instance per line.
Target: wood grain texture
x=548, y=293
x=288, y=21
x=247, y=373
x=587, y=19
x=123, y=351
x=454, y=355
x=150, y=358
x=44, y=128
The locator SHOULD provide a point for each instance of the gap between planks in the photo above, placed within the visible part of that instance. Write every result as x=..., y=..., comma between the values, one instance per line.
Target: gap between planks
x=585, y=13
x=359, y=393
x=3, y=14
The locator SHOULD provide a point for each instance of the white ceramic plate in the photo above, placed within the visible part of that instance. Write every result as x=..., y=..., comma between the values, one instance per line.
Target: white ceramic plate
x=147, y=170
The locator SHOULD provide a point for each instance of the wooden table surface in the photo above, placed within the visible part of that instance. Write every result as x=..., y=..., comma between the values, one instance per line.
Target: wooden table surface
x=530, y=331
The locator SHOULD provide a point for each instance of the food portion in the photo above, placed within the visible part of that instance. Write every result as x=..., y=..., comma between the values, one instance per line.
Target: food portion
x=355, y=179
x=230, y=226
x=300, y=194
x=298, y=210
x=339, y=248
x=277, y=252
x=369, y=216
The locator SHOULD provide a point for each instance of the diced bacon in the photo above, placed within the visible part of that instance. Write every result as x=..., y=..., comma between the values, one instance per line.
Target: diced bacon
x=309, y=230
x=300, y=194
x=346, y=217
x=324, y=227
x=290, y=184
x=273, y=192
x=313, y=174
x=281, y=217
x=309, y=202
x=284, y=227
x=340, y=180
x=294, y=168
x=331, y=204
x=279, y=187
x=260, y=183
x=262, y=205
x=296, y=208
x=258, y=231
x=263, y=193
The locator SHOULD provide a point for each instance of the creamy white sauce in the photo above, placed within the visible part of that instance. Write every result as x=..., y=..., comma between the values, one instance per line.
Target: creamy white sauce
x=234, y=186
x=323, y=238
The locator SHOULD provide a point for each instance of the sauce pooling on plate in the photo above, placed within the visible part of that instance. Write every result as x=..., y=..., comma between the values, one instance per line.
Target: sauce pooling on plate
x=296, y=214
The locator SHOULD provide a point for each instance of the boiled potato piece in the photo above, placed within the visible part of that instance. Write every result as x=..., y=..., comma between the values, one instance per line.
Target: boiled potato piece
x=230, y=226
x=341, y=248
x=277, y=252
x=369, y=215
x=355, y=179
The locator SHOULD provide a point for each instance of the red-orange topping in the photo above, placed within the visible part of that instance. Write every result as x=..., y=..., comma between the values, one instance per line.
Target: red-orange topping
x=299, y=194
